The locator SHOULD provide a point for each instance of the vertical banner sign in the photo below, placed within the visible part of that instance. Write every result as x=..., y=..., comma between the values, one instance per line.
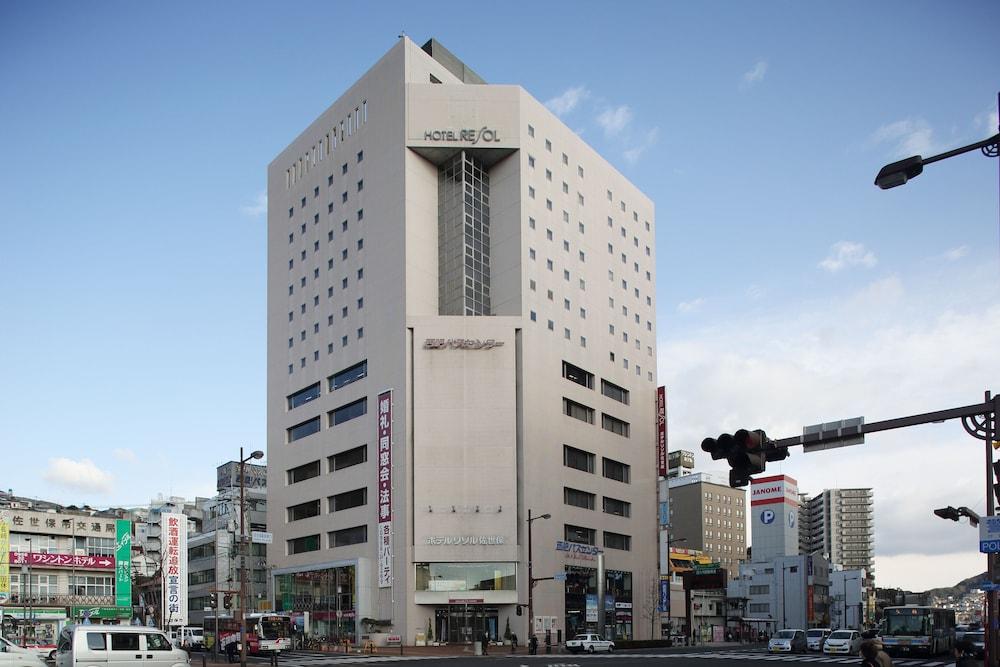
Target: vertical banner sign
x=123, y=563
x=173, y=529
x=385, y=489
x=661, y=431
x=4, y=561
x=664, y=605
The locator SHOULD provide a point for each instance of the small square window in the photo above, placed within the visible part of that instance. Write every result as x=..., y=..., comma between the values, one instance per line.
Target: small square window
x=548, y=234
x=548, y=145
x=361, y=185
x=329, y=180
x=531, y=162
x=291, y=238
x=329, y=320
x=361, y=273
x=531, y=253
x=582, y=229
x=303, y=202
x=329, y=348
x=291, y=212
x=549, y=295
x=583, y=341
x=361, y=244
x=533, y=316
x=566, y=334
x=343, y=341
x=531, y=285
x=343, y=283
x=315, y=355
x=291, y=289
x=566, y=246
x=548, y=204
x=329, y=236
x=315, y=301
x=343, y=253
x=290, y=369
x=565, y=187
x=565, y=216
x=565, y=158
x=329, y=207
x=303, y=228
x=579, y=172
x=548, y=174
x=329, y=264
x=552, y=325
x=361, y=333
x=302, y=362
x=583, y=284
x=343, y=197
x=291, y=315
x=343, y=226
x=361, y=156
x=343, y=312
x=531, y=192
x=566, y=304
x=611, y=355
x=531, y=223
x=565, y=275
x=316, y=191
x=343, y=168
x=583, y=313
x=583, y=256
x=315, y=273
x=548, y=264
x=361, y=303
x=315, y=246
x=291, y=341
x=531, y=131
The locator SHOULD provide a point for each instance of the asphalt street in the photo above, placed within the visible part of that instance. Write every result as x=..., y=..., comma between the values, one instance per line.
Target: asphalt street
x=640, y=658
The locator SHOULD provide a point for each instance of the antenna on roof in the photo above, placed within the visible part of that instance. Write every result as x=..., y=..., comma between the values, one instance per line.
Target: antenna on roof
x=402, y=34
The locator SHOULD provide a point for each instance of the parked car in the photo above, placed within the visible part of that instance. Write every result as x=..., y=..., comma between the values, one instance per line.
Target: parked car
x=589, y=643
x=788, y=641
x=188, y=637
x=43, y=651
x=843, y=642
x=816, y=637
x=12, y=658
x=112, y=645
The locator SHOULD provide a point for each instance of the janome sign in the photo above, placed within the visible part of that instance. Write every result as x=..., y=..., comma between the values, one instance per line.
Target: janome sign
x=776, y=489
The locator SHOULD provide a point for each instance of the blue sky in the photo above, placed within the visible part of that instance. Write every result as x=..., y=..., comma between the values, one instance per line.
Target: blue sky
x=790, y=290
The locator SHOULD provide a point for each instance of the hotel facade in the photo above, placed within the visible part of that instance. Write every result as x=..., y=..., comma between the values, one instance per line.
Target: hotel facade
x=461, y=330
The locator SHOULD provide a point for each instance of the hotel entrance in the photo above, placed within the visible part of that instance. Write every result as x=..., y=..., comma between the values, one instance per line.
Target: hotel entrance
x=465, y=622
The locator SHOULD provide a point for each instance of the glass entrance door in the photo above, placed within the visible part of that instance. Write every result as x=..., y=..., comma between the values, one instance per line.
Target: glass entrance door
x=466, y=623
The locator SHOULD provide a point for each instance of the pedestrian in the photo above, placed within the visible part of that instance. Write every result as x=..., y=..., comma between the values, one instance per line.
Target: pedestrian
x=231, y=651
x=513, y=643
x=872, y=654
x=532, y=644
x=964, y=656
x=484, y=640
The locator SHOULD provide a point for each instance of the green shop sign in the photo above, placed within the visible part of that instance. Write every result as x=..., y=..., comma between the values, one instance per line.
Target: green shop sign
x=101, y=612
x=123, y=563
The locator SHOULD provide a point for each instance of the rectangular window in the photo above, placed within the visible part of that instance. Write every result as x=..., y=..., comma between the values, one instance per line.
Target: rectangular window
x=348, y=412
x=303, y=511
x=303, y=544
x=615, y=425
x=348, y=536
x=346, y=459
x=616, y=470
x=617, y=541
x=578, y=498
x=617, y=507
x=303, y=396
x=300, y=431
x=348, y=499
x=577, y=458
x=578, y=411
x=611, y=390
x=303, y=472
x=349, y=375
x=579, y=534
x=578, y=375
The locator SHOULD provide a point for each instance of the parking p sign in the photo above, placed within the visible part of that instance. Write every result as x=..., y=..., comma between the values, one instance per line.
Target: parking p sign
x=989, y=534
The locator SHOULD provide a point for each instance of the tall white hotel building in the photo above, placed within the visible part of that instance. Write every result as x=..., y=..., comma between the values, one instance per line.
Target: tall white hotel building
x=460, y=331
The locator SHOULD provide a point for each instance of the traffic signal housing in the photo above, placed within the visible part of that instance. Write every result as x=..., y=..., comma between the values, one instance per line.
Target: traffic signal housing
x=213, y=600
x=227, y=601
x=746, y=451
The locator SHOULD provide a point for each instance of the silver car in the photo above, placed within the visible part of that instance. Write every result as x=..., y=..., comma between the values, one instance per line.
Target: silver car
x=787, y=641
x=816, y=637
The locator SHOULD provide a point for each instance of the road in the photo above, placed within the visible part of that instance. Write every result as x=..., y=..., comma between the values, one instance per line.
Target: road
x=725, y=657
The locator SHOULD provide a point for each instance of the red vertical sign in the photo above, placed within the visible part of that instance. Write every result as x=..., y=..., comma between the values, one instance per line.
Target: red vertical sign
x=661, y=430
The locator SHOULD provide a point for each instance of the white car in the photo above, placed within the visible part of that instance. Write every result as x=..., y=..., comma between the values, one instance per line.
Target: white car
x=589, y=643
x=843, y=642
x=43, y=651
x=19, y=658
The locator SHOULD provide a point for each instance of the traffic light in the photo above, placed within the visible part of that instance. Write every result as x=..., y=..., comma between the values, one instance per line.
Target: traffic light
x=213, y=600
x=227, y=601
x=747, y=453
x=996, y=482
x=519, y=612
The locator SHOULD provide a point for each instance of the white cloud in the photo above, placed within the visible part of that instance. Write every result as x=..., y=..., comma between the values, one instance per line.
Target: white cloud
x=847, y=253
x=690, y=306
x=257, y=208
x=910, y=136
x=955, y=254
x=919, y=350
x=565, y=103
x=614, y=120
x=987, y=122
x=125, y=454
x=633, y=154
x=755, y=75
x=80, y=475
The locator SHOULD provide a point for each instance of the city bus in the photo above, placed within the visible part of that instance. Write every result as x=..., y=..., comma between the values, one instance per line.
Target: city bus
x=924, y=630
x=265, y=632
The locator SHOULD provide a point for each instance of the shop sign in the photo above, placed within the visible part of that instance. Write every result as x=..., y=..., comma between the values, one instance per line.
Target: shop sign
x=661, y=431
x=465, y=540
x=61, y=560
x=384, y=533
x=461, y=344
x=123, y=558
x=465, y=600
x=4, y=562
x=575, y=550
x=175, y=568
x=474, y=136
x=101, y=612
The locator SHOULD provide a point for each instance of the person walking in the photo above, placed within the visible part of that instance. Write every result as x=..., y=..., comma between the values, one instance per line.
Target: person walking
x=513, y=643
x=484, y=640
x=231, y=651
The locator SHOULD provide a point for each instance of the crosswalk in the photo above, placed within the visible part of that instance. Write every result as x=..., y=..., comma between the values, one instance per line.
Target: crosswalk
x=316, y=659
x=763, y=655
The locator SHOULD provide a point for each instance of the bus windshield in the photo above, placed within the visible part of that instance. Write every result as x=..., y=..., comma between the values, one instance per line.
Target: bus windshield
x=273, y=628
x=906, y=623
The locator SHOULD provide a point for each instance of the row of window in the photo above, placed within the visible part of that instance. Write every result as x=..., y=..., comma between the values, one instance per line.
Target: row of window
x=329, y=349
x=316, y=248
x=327, y=144
x=337, y=416
x=345, y=459
x=580, y=173
x=336, y=503
x=585, y=499
x=582, y=535
x=335, y=538
x=568, y=335
x=586, y=379
x=580, y=459
x=336, y=381
x=586, y=414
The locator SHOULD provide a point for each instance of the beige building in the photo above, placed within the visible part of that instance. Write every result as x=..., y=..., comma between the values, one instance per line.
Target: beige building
x=709, y=516
x=453, y=243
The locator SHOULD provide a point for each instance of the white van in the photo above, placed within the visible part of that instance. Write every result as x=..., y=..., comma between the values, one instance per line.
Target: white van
x=188, y=637
x=116, y=646
x=18, y=658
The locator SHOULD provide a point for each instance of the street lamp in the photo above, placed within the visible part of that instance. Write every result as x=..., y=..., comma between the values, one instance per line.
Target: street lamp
x=898, y=173
x=531, y=579
x=256, y=454
x=950, y=512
